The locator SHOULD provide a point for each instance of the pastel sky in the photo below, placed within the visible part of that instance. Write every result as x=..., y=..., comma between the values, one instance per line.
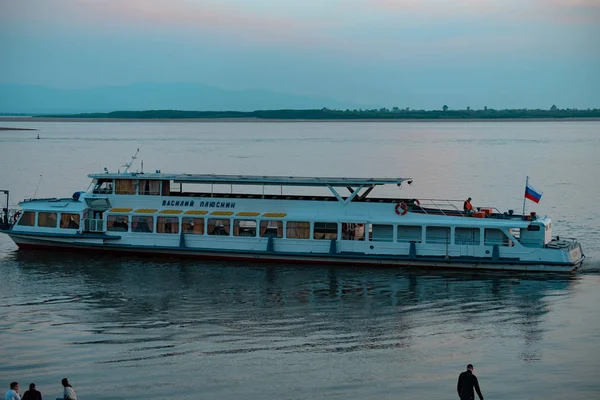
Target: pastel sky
x=406, y=53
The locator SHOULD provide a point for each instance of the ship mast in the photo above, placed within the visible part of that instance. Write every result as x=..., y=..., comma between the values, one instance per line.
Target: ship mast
x=133, y=158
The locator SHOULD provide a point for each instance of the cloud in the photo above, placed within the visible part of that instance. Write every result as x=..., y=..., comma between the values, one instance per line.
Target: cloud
x=442, y=9
x=562, y=11
x=200, y=15
x=232, y=23
x=569, y=11
x=365, y=32
x=574, y=3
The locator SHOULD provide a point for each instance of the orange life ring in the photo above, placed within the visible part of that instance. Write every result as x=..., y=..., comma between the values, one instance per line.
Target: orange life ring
x=16, y=217
x=401, y=206
x=417, y=202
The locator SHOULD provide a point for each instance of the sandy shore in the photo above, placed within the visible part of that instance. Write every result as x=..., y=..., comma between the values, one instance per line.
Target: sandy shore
x=48, y=119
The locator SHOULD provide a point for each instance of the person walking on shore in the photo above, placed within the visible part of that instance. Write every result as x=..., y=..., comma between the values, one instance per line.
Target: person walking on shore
x=13, y=392
x=466, y=382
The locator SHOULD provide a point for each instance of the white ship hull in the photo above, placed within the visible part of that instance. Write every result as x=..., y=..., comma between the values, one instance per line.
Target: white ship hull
x=99, y=245
x=143, y=215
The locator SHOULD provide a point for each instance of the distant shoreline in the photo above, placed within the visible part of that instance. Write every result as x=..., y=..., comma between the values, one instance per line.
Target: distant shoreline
x=264, y=120
x=2, y=128
x=554, y=114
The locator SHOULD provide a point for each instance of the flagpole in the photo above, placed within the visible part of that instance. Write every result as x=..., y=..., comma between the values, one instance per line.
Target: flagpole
x=525, y=198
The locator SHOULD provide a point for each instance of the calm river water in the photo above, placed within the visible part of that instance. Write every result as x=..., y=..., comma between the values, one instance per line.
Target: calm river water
x=143, y=328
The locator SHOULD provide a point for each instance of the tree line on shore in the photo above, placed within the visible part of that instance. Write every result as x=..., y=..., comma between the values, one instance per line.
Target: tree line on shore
x=331, y=114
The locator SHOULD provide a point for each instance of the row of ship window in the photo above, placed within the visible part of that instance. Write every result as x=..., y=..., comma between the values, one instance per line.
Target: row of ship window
x=50, y=220
x=274, y=228
x=131, y=186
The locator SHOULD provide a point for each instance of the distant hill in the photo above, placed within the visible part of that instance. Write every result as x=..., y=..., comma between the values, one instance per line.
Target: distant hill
x=152, y=96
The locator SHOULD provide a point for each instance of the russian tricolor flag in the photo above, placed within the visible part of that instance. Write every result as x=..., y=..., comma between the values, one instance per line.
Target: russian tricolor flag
x=531, y=193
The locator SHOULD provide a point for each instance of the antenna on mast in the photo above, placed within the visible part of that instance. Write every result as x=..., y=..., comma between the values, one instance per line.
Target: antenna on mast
x=38, y=186
x=128, y=165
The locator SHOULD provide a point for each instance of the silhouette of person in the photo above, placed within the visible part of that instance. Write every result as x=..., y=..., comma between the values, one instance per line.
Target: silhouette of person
x=32, y=393
x=466, y=382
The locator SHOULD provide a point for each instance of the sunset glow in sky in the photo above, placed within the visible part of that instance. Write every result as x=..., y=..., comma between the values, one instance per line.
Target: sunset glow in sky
x=406, y=53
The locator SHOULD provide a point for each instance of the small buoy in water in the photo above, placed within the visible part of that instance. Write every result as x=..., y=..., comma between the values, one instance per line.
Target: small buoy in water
x=38, y=136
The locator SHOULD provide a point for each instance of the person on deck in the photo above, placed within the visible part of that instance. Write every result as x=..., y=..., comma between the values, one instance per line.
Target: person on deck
x=4, y=217
x=467, y=206
x=466, y=382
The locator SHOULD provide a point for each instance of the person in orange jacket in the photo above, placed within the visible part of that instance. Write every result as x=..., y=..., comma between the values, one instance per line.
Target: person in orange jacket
x=467, y=207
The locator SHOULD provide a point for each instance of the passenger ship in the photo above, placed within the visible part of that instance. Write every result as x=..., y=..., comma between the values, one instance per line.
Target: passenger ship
x=177, y=215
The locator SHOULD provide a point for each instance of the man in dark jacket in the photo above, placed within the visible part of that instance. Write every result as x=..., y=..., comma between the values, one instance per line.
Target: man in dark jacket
x=466, y=382
x=32, y=394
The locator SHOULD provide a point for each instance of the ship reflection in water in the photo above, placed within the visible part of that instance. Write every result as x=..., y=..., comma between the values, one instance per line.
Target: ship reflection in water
x=206, y=330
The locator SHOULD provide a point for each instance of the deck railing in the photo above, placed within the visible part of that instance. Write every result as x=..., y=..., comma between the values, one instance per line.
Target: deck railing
x=445, y=207
x=7, y=218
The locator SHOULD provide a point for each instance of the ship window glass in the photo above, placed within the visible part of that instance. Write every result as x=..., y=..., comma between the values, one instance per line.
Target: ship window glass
x=534, y=228
x=353, y=231
x=142, y=223
x=244, y=227
x=496, y=236
x=409, y=233
x=47, y=219
x=149, y=188
x=117, y=223
x=381, y=233
x=467, y=236
x=27, y=219
x=527, y=238
x=167, y=224
x=437, y=235
x=193, y=226
x=271, y=228
x=103, y=186
x=219, y=226
x=125, y=186
x=325, y=230
x=166, y=188
x=69, y=221
x=96, y=214
x=297, y=230
x=515, y=232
